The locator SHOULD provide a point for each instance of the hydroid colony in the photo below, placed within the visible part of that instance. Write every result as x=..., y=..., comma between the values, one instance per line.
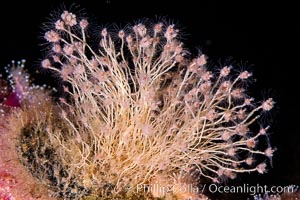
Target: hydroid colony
x=136, y=110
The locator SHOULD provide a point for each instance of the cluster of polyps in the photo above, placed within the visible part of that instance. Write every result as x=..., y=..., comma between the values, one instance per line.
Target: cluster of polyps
x=138, y=106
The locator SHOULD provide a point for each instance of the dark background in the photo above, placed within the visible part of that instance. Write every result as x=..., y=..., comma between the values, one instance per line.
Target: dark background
x=262, y=37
